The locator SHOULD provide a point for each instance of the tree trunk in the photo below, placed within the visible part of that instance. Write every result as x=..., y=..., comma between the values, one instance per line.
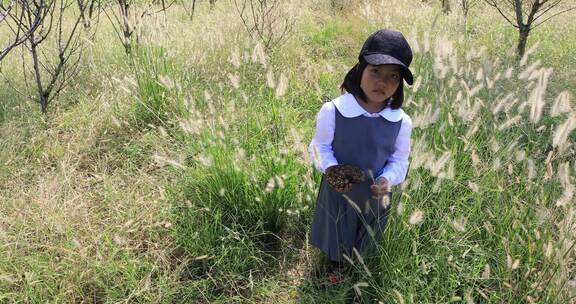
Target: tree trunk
x=193, y=8
x=42, y=98
x=91, y=9
x=85, y=22
x=523, y=33
x=127, y=41
x=126, y=27
x=465, y=9
x=446, y=6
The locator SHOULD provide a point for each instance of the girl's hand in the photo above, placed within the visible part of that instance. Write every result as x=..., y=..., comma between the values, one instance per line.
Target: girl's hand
x=380, y=187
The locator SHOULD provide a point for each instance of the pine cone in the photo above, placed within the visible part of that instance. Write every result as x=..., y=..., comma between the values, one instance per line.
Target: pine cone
x=340, y=175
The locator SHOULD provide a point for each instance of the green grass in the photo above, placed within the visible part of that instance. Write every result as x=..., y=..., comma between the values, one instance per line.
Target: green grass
x=153, y=104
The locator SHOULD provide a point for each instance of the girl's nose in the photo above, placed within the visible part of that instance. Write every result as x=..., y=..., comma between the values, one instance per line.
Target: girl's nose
x=382, y=81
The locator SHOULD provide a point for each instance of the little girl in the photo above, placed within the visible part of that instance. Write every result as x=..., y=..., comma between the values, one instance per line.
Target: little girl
x=365, y=128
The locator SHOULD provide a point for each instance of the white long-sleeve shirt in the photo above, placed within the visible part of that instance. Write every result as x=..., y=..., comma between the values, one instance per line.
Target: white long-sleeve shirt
x=321, y=146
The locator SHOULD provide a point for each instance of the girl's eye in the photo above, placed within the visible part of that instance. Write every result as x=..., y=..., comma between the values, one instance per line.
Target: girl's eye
x=394, y=77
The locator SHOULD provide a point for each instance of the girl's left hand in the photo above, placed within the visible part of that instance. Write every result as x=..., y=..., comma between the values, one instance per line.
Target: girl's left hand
x=380, y=187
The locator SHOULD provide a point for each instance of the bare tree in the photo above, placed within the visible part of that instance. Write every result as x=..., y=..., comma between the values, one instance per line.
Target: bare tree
x=51, y=69
x=190, y=7
x=264, y=20
x=124, y=23
x=467, y=5
x=190, y=10
x=5, y=9
x=87, y=10
x=68, y=54
x=14, y=14
x=446, y=6
x=525, y=15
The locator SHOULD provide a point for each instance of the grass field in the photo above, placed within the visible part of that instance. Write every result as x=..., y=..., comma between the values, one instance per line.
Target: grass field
x=180, y=174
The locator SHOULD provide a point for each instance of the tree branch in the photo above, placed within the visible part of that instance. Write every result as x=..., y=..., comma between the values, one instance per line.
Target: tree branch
x=547, y=9
x=6, y=10
x=116, y=30
x=23, y=31
x=564, y=11
x=495, y=5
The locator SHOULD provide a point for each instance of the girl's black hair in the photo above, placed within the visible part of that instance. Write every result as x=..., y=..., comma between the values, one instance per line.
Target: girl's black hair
x=351, y=84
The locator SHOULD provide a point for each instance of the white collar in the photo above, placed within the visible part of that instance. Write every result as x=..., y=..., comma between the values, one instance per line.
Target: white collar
x=348, y=106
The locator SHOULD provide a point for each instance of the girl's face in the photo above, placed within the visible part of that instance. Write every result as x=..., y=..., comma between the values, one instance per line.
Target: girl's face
x=379, y=82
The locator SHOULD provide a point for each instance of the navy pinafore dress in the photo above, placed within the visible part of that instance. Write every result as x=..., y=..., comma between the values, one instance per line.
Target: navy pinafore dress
x=338, y=225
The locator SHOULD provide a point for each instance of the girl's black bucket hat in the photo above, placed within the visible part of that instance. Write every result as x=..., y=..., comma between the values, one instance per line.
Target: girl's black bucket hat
x=388, y=47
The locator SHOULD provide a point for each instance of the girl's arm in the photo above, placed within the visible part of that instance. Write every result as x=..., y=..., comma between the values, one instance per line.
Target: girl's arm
x=320, y=148
x=397, y=166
